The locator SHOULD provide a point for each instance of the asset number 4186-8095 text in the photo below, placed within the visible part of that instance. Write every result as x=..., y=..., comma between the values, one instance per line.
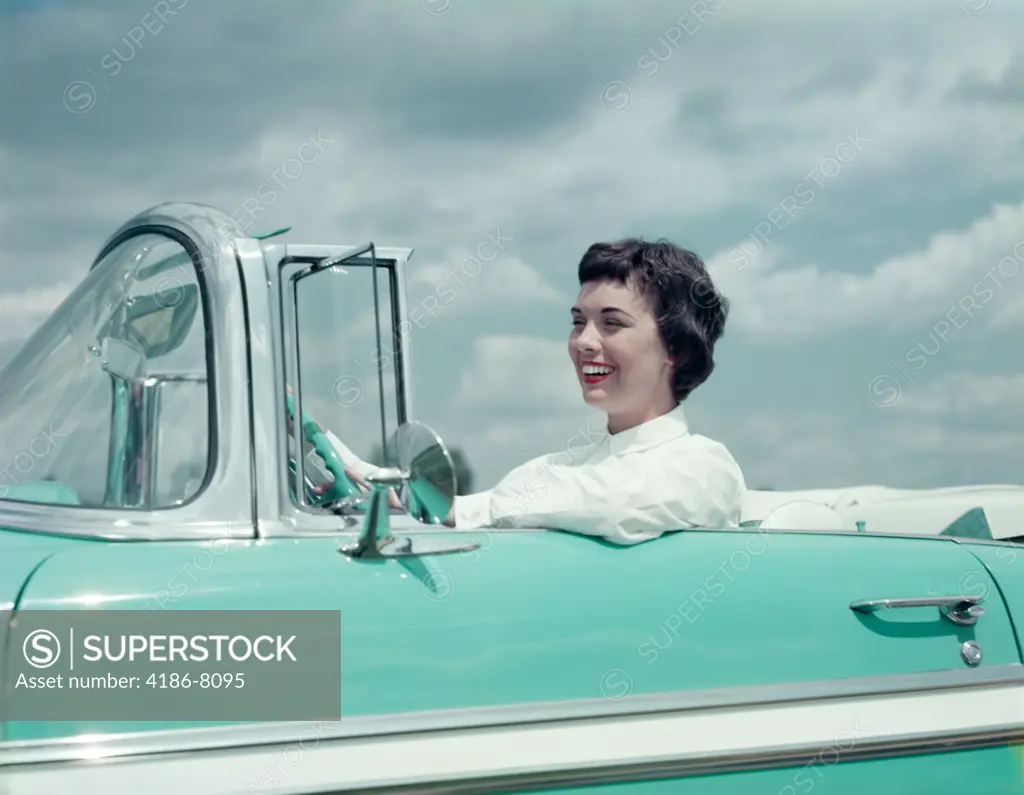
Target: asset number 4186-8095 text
x=203, y=681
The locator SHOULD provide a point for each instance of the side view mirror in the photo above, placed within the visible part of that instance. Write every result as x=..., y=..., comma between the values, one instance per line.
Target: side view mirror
x=429, y=491
x=422, y=471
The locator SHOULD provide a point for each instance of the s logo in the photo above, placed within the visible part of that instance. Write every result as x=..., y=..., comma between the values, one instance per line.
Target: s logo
x=41, y=648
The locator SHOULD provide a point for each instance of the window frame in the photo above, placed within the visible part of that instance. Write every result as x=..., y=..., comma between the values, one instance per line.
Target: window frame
x=158, y=397
x=279, y=515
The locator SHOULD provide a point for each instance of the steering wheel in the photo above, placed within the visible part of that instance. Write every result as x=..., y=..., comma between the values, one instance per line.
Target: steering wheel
x=314, y=434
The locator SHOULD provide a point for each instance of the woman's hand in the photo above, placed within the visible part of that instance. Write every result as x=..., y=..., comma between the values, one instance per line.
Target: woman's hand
x=393, y=500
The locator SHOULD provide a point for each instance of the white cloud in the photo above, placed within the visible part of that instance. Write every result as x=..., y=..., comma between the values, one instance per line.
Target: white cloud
x=425, y=157
x=954, y=277
x=505, y=279
x=461, y=284
x=519, y=373
x=966, y=394
x=814, y=449
x=603, y=170
x=23, y=312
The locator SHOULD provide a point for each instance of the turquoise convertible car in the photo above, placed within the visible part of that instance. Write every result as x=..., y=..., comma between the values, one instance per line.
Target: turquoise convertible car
x=165, y=449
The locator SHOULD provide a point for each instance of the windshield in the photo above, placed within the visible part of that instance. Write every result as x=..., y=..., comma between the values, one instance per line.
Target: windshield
x=76, y=426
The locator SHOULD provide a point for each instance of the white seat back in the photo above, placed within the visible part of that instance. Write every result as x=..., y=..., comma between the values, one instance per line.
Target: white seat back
x=804, y=515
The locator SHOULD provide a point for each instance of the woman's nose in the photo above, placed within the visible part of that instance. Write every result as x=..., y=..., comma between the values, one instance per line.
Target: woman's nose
x=587, y=340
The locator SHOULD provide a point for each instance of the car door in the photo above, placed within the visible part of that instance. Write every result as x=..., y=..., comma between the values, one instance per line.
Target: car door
x=735, y=620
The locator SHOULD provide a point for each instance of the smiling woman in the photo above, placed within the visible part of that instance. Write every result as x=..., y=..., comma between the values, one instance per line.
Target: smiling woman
x=644, y=330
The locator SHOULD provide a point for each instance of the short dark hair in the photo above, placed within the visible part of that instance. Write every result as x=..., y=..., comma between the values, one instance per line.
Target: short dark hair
x=690, y=311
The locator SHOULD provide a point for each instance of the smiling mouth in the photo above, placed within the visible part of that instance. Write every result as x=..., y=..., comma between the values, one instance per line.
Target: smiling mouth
x=594, y=373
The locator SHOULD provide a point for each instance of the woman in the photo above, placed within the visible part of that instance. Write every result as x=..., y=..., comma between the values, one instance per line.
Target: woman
x=644, y=329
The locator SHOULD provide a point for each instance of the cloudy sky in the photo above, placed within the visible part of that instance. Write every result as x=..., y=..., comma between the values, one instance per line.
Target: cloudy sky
x=853, y=172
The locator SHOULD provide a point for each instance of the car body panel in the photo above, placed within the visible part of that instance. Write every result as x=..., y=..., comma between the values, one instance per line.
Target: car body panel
x=20, y=554
x=544, y=616
x=1003, y=568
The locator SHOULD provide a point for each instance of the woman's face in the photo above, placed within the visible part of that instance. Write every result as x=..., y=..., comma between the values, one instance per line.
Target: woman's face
x=621, y=362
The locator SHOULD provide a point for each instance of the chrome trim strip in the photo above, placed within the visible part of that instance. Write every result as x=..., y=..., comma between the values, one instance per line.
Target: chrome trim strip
x=256, y=262
x=858, y=534
x=768, y=759
x=247, y=326
x=407, y=407
x=718, y=531
x=990, y=542
x=317, y=526
x=589, y=750
x=476, y=718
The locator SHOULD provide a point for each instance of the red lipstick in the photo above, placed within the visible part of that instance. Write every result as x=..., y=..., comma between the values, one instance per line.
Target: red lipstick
x=598, y=371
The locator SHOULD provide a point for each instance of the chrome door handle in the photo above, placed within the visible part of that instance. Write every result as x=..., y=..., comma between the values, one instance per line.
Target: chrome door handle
x=960, y=610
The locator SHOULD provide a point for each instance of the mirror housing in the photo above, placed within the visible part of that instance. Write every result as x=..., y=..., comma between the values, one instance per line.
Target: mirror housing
x=428, y=492
x=425, y=478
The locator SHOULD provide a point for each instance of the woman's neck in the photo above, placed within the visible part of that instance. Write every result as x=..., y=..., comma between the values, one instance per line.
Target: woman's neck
x=624, y=421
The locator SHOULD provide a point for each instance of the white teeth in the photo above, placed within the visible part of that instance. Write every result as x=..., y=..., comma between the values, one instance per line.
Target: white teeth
x=595, y=369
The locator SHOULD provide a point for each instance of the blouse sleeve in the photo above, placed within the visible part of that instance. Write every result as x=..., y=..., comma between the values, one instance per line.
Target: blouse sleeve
x=625, y=499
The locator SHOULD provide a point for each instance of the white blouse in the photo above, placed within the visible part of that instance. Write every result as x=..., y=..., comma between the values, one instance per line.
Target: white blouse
x=627, y=488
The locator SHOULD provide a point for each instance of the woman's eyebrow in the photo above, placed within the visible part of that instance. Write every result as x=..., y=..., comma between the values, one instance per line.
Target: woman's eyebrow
x=608, y=310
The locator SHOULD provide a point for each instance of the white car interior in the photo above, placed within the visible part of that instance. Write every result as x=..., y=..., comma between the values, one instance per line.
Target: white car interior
x=989, y=511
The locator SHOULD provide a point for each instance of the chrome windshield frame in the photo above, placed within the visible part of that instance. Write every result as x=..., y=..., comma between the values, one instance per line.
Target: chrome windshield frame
x=246, y=492
x=224, y=506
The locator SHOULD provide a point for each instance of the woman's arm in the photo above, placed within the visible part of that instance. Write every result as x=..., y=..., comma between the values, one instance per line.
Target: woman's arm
x=470, y=511
x=624, y=499
x=353, y=463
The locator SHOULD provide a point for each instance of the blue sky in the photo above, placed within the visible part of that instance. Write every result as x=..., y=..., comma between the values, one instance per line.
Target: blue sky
x=853, y=172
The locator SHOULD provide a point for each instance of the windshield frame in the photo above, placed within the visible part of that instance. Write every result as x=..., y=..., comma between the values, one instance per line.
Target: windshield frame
x=222, y=508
